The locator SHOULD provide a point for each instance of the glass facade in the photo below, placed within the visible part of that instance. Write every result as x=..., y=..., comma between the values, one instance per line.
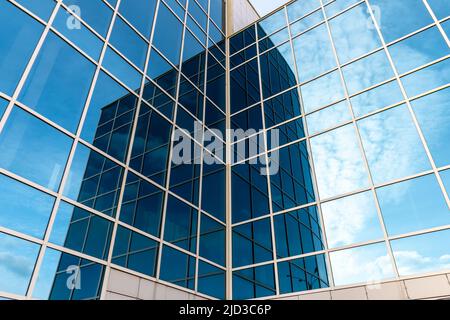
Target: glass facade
x=345, y=100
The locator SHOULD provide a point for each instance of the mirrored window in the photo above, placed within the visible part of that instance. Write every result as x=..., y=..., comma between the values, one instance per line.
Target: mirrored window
x=329, y=117
x=58, y=269
x=122, y=70
x=361, y=265
x=414, y=16
x=307, y=22
x=211, y=280
x=434, y=119
x=423, y=253
x=282, y=108
x=337, y=6
x=20, y=34
x=33, y=149
x=212, y=240
x=23, y=208
x=413, y=205
x=42, y=8
x=95, y=12
x=302, y=274
x=177, y=267
x=441, y=8
x=139, y=13
x=418, y=50
x=59, y=83
x=338, y=162
x=392, y=145
x=354, y=33
x=272, y=23
x=82, y=231
x=3, y=105
x=213, y=194
x=301, y=8
x=445, y=175
x=314, y=53
x=252, y=243
x=134, y=251
x=94, y=181
x=254, y=282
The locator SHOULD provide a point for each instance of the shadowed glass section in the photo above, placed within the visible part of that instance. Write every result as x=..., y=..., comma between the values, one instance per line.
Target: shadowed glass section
x=177, y=267
x=254, y=282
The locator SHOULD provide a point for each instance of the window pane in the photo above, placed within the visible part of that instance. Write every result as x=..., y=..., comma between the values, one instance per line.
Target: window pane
x=17, y=264
x=41, y=8
x=272, y=23
x=177, y=268
x=329, y=117
x=368, y=264
x=94, y=181
x=58, y=84
x=122, y=69
x=95, y=12
x=3, y=106
x=82, y=231
x=351, y=220
x=213, y=201
x=252, y=243
x=254, y=282
x=322, y=91
x=211, y=280
x=59, y=269
x=367, y=72
x=142, y=205
x=377, y=98
x=441, y=8
x=418, y=50
x=314, y=53
x=20, y=34
x=23, y=208
x=168, y=41
x=354, y=33
x=413, y=205
x=413, y=12
x=300, y=8
x=434, y=119
x=338, y=162
x=212, y=240
x=446, y=180
x=392, y=145
x=135, y=251
x=140, y=13
x=33, y=149
x=423, y=253
x=181, y=224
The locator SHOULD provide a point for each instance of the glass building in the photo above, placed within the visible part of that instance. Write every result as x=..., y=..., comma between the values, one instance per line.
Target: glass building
x=347, y=101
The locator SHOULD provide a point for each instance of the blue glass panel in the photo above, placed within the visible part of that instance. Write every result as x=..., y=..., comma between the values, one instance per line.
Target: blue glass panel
x=418, y=50
x=33, y=149
x=181, y=224
x=413, y=12
x=252, y=243
x=17, y=264
x=367, y=264
x=135, y=251
x=367, y=72
x=79, y=35
x=212, y=240
x=20, y=34
x=301, y=8
x=426, y=79
x=392, y=144
x=60, y=269
x=272, y=23
x=42, y=8
x=95, y=12
x=351, y=220
x=59, y=82
x=441, y=8
x=337, y=6
x=328, y=117
x=94, y=181
x=24, y=209
x=314, y=53
x=3, y=106
x=354, y=33
x=445, y=175
x=338, y=162
x=308, y=22
x=82, y=231
x=434, y=119
x=168, y=41
x=423, y=253
x=413, y=205
x=211, y=280
x=122, y=70
x=254, y=282
x=177, y=267
x=140, y=13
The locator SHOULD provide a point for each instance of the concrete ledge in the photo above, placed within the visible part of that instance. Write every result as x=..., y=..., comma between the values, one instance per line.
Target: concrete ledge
x=428, y=287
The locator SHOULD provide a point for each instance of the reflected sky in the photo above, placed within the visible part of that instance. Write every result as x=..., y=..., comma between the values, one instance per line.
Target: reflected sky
x=392, y=145
x=350, y=220
x=17, y=259
x=338, y=162
x=366, y=264
x=329, y=117
x=423, y=253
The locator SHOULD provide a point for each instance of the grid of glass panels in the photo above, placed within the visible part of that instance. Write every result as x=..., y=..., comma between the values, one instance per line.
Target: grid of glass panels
x=360, y=98
x=86, y=180
x=91, y=93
